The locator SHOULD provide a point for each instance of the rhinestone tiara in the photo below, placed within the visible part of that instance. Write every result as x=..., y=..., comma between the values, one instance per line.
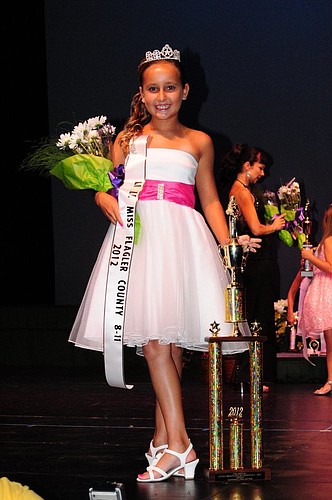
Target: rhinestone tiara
x=165, y=53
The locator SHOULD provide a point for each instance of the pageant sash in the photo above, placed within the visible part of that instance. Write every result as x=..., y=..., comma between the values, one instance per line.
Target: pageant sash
x=119, y=264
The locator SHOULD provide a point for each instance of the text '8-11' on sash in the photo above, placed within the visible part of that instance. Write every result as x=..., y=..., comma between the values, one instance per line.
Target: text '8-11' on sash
x=119, y=264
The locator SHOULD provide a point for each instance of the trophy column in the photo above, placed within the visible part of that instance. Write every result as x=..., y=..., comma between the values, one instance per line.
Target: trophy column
x=306, y=270
x=216, y=400
x=232, y=257
x=237, y=470
x=256, y=414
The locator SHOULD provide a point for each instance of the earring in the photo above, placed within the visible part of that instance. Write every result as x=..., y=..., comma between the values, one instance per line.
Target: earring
x=248, y=174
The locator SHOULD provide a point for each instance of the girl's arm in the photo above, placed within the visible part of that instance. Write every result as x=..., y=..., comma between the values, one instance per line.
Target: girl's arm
x=106, y=202
x=207, y=190
x=323, y=265
x=293, y=289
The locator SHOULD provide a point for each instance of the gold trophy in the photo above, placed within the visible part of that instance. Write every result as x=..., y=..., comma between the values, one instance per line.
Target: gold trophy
x=233, y=256
x=237, y=471
x=306, y=270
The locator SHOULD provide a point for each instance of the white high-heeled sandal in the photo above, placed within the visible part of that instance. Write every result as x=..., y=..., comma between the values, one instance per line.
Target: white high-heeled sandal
x=322, y=392
x=188, y=468
x=156, y=451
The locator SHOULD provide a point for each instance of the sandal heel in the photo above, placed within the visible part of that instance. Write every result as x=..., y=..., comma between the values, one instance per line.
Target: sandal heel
x=189, y=469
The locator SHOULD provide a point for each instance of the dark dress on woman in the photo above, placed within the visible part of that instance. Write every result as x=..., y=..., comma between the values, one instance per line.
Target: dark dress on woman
x=261, y=280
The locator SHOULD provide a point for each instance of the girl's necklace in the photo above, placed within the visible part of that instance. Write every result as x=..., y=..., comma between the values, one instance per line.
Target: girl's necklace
x=244, y=185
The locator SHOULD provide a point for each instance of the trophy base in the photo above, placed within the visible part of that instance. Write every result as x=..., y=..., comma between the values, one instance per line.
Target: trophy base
x=307, y=274
x=240, y=475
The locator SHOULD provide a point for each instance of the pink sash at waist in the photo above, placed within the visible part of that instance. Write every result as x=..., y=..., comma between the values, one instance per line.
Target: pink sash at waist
x=178, y=192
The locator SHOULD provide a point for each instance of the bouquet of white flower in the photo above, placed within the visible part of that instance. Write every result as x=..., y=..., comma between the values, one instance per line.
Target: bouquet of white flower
x=81, y=159
x=289, y=197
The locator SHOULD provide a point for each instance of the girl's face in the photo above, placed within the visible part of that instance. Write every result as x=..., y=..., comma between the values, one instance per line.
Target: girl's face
x=162, y=90
x=256, y=171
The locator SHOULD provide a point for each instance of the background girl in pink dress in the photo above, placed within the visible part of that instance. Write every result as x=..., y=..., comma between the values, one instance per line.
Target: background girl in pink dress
x=317, y=303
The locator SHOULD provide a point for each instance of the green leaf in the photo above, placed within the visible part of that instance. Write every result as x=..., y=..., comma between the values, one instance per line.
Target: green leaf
x=271, y=211
x=300, y=240
x=289, y=214
x=285, y=237
x=137, y=228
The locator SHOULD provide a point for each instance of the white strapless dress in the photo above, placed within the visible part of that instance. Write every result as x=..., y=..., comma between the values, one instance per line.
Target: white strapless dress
x=177, y=280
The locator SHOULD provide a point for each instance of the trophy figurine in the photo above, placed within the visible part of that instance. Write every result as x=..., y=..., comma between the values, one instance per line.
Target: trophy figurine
x=306, y=270
x=233, y=256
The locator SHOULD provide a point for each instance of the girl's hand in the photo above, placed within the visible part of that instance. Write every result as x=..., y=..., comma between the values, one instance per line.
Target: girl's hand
x=306, y=253
x=109, y=206
x=290, y=318
x=250, y=243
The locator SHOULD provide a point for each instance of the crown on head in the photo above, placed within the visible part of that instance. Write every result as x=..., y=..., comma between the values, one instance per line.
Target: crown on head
x=165, y=53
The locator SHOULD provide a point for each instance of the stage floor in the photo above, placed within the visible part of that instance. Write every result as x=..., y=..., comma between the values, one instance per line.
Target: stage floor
x=65, y=430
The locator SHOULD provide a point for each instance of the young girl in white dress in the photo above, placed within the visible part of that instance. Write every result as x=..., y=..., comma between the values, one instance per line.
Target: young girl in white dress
x=166, y=288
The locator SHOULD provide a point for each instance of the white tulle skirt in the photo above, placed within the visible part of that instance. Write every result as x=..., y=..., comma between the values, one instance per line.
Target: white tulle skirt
x=176, y=284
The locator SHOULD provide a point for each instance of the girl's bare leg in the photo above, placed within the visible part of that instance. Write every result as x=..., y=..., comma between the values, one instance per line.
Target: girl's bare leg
x=163, y=363
x=160, y=434
x=328, y=340
x=327, y=387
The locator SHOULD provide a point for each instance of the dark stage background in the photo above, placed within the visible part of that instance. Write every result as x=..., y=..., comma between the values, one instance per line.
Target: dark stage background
x=260, y=72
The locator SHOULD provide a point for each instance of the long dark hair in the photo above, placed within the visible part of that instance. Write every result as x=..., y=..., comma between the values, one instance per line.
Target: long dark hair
x=327, y=224
x=233, y=161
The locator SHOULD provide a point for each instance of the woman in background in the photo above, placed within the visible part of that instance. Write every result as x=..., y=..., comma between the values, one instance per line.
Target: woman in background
x=242, y=168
